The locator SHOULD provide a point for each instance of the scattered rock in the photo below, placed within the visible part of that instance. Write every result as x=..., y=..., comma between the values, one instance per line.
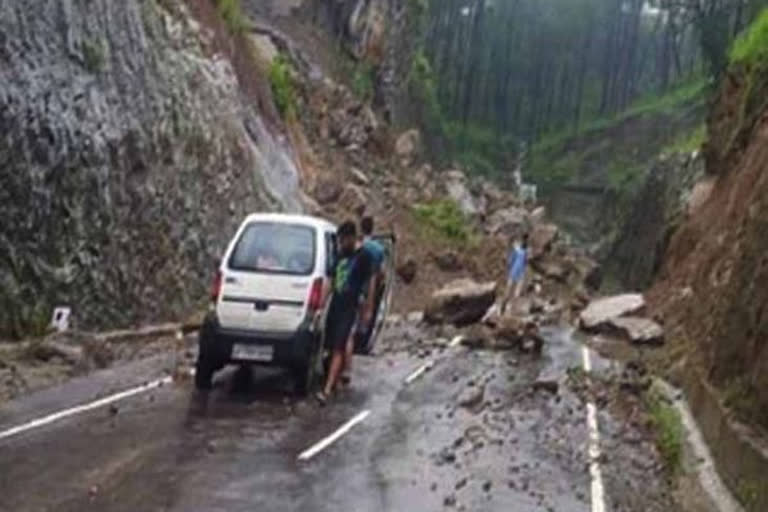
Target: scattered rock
x=552, y=269
x=487, y=486
x=408, y=145
x=359, y=177
x=407, y=270
x=327, y=192
x=509, y=222
x=472, y=397
x=461, y=302
x=450, y=501
x=600, y=311
x=460, y=484
x=537, y=215
x=448, y=261
x=641, y=331
x=353, y=199
x=446, y=456
x=542, y=238
x=548, y=385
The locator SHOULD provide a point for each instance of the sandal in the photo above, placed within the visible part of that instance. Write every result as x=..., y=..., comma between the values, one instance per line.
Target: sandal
x=321, y=397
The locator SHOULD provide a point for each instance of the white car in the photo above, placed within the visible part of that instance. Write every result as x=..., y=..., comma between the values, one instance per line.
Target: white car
x=267, y=296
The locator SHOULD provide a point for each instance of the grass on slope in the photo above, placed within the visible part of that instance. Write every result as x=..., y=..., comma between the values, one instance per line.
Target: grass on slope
x=651, y=104
x=751, y=48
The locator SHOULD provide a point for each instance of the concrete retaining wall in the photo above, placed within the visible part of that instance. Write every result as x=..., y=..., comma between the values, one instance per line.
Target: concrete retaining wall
x=741, y=456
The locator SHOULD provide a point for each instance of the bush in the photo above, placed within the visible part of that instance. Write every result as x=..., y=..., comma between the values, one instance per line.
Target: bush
x=751, y=47
x=669, y=430
x=232, y=14
x=445, y=218
x=283, y=87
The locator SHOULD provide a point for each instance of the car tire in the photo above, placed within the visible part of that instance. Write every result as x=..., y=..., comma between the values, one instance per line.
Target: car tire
x=203, y=374
x=307, y=375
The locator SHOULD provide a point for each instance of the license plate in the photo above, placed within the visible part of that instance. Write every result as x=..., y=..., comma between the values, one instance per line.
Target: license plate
x=252, y=352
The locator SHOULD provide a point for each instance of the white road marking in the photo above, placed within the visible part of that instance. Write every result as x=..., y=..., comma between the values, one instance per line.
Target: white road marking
x=101, y=402
x=429, y=364
x=419, y=371
x=596, y=475
x=328, y=441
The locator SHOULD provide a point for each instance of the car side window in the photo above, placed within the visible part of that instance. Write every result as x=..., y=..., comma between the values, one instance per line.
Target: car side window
x=330, y=252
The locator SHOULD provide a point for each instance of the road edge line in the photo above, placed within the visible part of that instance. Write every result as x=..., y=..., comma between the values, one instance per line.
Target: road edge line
x=72, y=411
x=332, y=438
x=595, y=473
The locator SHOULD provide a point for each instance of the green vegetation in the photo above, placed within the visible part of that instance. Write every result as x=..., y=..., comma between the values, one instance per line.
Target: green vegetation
x=749, y=493
x=94, y=55
x=686, y=94
x=422, y=85
x=445, y=219
x=363, y=76
x=751, y=48
x=687, y=142
x=283, y=86
x=232, y=14
x=616, y=150
x=669, y=429
x=20, y=321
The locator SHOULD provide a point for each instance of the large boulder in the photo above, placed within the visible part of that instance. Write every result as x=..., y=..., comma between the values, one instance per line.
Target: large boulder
x=641, y=331
x=509, y=222
x=461, y=302
x=542, y=238
x=601, y=311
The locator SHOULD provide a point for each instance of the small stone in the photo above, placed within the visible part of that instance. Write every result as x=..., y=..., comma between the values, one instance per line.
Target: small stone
x=450, y=501
x=487, y=486
x=461, y=483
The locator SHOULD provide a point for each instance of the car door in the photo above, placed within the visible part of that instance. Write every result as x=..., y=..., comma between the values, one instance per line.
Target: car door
x=268, y=276
x=364, y=344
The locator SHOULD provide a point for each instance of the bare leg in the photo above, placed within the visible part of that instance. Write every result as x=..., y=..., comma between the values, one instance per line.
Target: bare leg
x=507, y=296
x=348, y=353
x=337, y=362
x=519, y=287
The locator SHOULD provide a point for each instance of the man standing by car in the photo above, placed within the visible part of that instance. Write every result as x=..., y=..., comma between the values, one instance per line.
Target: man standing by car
x=374, y=287
x=352, y=271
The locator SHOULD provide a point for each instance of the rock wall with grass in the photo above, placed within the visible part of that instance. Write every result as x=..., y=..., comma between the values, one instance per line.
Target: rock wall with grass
x=130, y=148
x=712, y=290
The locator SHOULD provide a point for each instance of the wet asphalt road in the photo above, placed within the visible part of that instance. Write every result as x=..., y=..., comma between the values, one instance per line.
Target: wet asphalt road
x=507, y=448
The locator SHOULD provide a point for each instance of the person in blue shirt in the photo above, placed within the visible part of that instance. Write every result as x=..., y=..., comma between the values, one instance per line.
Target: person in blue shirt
x=517, y=263
x=348, y=278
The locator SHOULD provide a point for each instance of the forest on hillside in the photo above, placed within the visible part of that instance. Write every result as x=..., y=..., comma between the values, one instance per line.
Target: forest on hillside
x=493, y=74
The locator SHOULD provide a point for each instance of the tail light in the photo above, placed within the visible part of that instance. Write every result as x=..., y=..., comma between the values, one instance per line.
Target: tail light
x=315, y=302
x=216, y=287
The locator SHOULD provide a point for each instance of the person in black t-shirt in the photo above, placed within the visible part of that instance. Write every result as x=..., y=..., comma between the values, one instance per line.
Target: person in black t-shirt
x=351, y=272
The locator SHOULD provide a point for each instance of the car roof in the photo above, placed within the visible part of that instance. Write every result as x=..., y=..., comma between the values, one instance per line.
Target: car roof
x=289, y=218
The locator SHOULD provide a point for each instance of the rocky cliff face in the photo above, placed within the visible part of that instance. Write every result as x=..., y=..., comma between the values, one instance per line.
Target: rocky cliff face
x=380, y=33
x=128, y=154
x=662, y=203
x=712, y=290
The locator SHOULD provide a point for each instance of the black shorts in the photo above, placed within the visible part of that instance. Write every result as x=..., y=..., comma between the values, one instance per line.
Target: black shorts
x=338, y=326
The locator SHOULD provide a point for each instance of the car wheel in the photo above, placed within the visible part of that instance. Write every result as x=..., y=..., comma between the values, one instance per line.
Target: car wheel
x=203, y=373
x=307, y=376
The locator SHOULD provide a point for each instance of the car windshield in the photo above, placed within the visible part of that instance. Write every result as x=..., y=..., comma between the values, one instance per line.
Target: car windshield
x=275, y=248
